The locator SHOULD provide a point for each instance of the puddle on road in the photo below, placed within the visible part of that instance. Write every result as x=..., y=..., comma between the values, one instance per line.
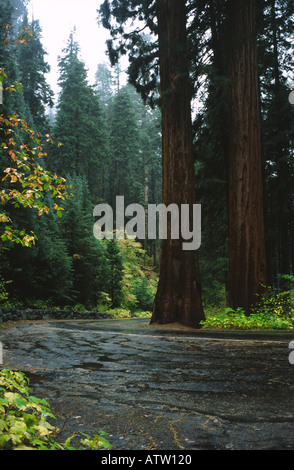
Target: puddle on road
x=108, y=359
x=89, y=366
x=36, y=378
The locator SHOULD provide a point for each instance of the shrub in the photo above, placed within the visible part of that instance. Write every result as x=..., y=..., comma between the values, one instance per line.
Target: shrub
x=274, y=310
x=236, y=319
x=23, y=419
x=3, y=291
x=274, y=303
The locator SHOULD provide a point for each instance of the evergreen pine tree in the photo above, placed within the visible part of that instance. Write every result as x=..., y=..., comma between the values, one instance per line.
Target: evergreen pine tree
x=13, y=103
x=32, y=70
x=43, y=272
x=115, y=273
x=124, y=148
x=87, y=253
x=104, y=83
x=79, y=124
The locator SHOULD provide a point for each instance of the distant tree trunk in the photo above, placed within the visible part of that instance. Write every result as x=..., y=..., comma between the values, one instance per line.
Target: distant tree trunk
x=282, y=166
x=178, y=297
x=246, y=229
x=146, y=201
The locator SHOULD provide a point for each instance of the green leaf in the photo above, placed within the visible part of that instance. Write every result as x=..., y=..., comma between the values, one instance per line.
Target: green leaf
x=19, y=402
x=67, y=442
x=4, y=438
x=3, y=425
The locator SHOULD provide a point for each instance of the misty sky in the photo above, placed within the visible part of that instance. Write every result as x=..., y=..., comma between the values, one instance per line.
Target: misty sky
x=57, y=19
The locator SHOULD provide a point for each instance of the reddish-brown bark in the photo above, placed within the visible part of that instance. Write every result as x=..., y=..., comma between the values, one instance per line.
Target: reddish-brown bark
x=246, y=231
x=178, y=298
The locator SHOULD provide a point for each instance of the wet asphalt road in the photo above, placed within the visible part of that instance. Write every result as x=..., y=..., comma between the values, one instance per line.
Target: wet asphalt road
x=154, y=388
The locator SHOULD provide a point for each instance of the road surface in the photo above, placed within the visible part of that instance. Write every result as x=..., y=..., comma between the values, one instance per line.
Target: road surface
x=159, y=388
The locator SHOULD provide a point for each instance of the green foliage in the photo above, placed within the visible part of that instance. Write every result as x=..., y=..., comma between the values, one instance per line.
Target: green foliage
x=274, y=310
x=276, y=304
x=144, y=289
x=22, y=417
x=142, y=47
x=3, y=292
x=33, y=69
x=79, y=124
x=87, y=254
x=109, y=146
x=123, y=313
x=124, y=148
x=26, y=183
x=114, y=272
x=213, y=292
x=44, y=271
x=24, y=421
x=140, y=314
x=236, y=319
x=139, y=282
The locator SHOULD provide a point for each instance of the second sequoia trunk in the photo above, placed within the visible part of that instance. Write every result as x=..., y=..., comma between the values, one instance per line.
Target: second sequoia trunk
x=246, y=231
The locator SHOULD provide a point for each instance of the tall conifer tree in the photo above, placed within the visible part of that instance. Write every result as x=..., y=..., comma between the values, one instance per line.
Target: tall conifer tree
x=79, y=123
x=247, y=254
x=179, y=292
x=32, y=70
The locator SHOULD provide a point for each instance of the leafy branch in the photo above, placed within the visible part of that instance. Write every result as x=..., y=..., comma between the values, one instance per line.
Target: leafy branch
x=26, y=182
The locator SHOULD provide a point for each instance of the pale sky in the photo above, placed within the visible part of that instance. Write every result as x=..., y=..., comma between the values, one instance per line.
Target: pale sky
x=57, y=19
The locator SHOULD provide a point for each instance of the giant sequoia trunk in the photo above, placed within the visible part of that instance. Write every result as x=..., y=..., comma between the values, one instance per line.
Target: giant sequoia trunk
x=246, y=231
x=178, y=297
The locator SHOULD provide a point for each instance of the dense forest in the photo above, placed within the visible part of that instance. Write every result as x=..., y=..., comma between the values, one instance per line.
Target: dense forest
x=104, y=141
x=233, y=61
